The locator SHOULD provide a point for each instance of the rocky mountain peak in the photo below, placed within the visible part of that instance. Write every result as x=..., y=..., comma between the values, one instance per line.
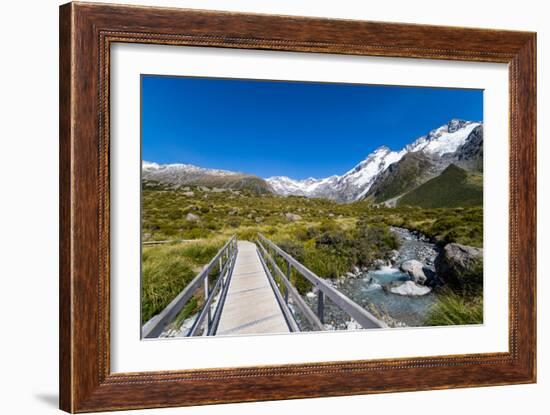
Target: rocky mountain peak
x=455, y=125
x=437, y=149
x=457, y=141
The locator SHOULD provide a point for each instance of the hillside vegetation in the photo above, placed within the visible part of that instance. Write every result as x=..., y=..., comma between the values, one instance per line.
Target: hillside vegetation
x=174, y=214
x=400, y=177
x=452, y=188
x=327, y=237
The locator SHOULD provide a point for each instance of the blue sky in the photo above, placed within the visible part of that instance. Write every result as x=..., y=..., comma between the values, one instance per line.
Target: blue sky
x=295, y=129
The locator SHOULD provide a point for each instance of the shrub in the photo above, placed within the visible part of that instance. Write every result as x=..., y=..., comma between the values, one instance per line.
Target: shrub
x=326, y=264
x=294, y=249
x=233, y=222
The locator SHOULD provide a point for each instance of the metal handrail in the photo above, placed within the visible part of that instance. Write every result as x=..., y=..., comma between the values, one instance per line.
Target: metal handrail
x=157, y=324
x=354, y=310
x=205, y=312
x=213, y=327
x=298, y=300
x=287, y=313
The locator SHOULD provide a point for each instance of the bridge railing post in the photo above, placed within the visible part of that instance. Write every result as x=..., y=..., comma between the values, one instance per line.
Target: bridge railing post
x=344, y=303
x=160, y=322
x=220, y=265
x=321, y=306
x=288, y=274
x=206, y=294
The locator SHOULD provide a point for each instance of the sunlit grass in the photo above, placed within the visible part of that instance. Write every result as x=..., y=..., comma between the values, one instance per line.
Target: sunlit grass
x=452, y=309
x=167, y=269
x=329, y=238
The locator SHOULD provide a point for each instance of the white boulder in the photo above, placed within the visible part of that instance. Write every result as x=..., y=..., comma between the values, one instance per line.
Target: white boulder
x=292, y=217
x=409, y=288
x=191, y=217
x=415, y=270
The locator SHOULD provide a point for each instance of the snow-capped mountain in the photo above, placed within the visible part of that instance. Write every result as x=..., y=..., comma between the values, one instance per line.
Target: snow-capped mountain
x=188, y=174
x=285, y=186
x=179, y=170
x=440, y=147
x=445, y=139
x=382, y=175
x=346, y=188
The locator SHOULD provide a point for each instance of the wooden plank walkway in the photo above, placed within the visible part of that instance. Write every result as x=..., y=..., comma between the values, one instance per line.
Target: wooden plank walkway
x=250, y=306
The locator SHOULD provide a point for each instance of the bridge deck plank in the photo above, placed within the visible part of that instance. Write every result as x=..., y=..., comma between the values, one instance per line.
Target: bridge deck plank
x=250, y=306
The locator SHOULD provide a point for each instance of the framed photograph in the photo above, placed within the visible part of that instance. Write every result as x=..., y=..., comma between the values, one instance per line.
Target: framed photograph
x=260, y=207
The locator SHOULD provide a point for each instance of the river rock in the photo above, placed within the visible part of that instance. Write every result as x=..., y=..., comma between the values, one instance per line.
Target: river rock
x=415, y=270
x=191, y=217
x=379, y=263
x=408, y=288
x=460, y=266
x=353, y=325
x=292, y=217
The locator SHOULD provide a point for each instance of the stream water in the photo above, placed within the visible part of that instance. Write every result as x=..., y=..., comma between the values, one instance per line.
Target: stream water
x=366, y=288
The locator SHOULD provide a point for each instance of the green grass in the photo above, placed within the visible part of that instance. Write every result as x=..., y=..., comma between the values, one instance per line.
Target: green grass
x=454, y=187
x=329, y=238
x=246, y=213
x=167, y=269
x=442, y=225
x=454, y=309
x=192, y=307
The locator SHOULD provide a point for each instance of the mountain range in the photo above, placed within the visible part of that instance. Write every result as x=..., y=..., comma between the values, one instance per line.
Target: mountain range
x=384, y=176
x=179, y=175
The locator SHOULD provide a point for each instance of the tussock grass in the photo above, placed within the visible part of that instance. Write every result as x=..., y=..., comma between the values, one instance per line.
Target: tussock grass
x=329, y=238
x=167, y=269
x=453, y=309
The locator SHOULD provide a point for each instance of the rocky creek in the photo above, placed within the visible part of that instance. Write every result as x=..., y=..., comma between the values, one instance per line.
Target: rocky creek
x=371, y=288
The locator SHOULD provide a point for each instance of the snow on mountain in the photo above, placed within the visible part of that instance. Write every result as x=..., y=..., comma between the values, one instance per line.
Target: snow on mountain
x=178, y=175
x=147, y=165
x=445, y=139
x=178, y=168
x=363, y=175
x=286, y=186
x=355, y=184
x=346, y=188
x=440, y=146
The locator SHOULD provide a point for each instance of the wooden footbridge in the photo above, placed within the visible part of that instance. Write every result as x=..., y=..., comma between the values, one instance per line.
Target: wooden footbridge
x=246, y=289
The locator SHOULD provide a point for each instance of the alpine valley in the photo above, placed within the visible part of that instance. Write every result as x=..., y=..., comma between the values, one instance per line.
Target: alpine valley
x=400, y=234
x=443, y=168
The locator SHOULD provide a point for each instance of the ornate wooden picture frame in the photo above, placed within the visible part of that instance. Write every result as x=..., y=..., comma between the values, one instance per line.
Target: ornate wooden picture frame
x=87, y=32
